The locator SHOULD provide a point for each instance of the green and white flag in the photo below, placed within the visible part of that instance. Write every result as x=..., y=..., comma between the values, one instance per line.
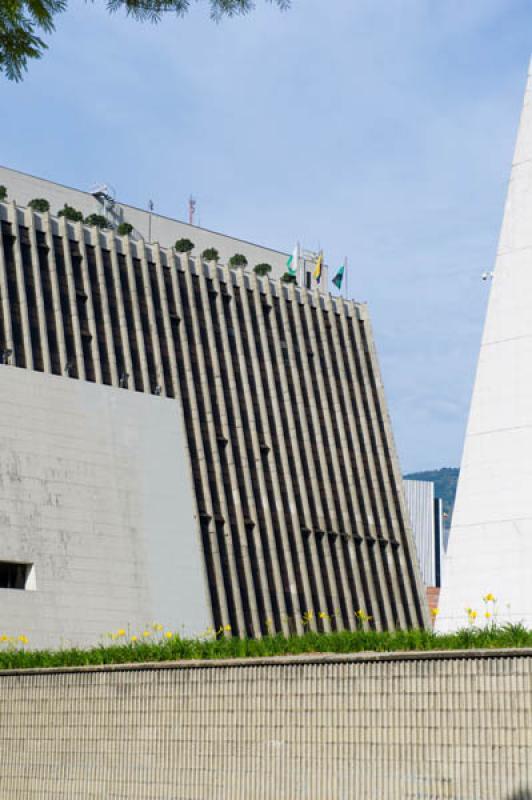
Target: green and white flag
x=292, y=261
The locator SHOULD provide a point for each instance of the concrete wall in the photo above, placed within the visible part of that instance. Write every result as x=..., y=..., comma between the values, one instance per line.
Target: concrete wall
x=95, y=493
x=22, y=188
x=369, y=727
x=490, y=545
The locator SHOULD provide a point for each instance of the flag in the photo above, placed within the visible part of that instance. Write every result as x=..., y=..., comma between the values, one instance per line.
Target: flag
x=338, y=278
x=317, y=270
x=292, y=262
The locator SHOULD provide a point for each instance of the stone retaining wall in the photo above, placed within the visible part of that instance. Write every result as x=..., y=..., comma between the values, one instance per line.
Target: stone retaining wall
x=381, y=727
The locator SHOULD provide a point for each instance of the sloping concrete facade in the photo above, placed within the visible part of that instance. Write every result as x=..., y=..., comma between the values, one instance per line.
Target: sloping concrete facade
x=298, y=504
x=96, y=496
x=490, y=545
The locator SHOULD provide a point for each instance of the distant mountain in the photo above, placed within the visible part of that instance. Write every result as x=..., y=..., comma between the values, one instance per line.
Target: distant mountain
x=445, y=481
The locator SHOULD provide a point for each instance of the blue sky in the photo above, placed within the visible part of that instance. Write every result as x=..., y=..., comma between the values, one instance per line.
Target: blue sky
x=378, y=129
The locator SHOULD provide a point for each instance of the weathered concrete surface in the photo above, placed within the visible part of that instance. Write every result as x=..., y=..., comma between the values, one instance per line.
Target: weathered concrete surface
x=95, y=493
x=370, y=727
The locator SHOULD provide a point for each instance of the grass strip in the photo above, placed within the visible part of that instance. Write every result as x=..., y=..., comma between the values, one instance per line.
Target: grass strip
x=171, y=647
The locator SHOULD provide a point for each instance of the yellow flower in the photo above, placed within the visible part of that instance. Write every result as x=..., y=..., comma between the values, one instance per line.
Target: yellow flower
x=227, y=628
x=472, y=614
x=146, y=633
x=323, y=615
x=121, y=632
x=157, y=626
x=434, y=611
x=487, y=615
x=134, y=638
x=489, y=598
x=3, y=638
x=23, y=639
x=168, y=634
x=308, y=616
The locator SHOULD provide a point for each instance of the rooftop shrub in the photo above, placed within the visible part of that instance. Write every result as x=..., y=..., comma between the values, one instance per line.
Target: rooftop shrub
x=3, y=194
x=39, y=204
x=262, y=269
x=184, y=246
x=238, y=260
x=96, y=219
x=211, y=254
x=124, y=229
x=70, y=213
x=287, y=278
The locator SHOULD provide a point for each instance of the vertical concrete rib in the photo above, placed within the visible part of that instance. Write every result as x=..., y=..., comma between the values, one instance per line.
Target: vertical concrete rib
x=408, y=564
x=253, y=469
x=276, y=593
x=356, y=484
x=71, y=285
x=219, y=589
x=341, y=450
x=54, y=284
x=294, y=409
x=21, y=287
x=136, y=315
x=91, y=319
x=110, y=241
x=358, y=426
x=159, y=274
x=232, y=434
x=152, y=325
x=310, y=400
x=384, y=495
x=222, y=489
x=6, y=306
x=296, y=484
x=29, y=219
x=338, y=387
x=279, y=477
x=340, y=520
x=102, y=287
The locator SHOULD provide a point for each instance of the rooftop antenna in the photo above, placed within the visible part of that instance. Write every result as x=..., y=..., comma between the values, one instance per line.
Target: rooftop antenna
x=106, y=195
x=150, y=207
x=191, y=209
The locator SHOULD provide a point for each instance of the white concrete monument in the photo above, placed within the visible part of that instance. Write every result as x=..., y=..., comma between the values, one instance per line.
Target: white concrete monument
x=490, y=546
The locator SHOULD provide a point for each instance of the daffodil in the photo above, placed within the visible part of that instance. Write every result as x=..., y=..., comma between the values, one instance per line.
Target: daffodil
x=146, y=633
x=434, y=611
x=489, y=598
x=168, y=634
x=134, y=638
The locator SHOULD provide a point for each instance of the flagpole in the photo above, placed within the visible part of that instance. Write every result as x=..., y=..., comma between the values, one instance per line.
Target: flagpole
x=346, y=279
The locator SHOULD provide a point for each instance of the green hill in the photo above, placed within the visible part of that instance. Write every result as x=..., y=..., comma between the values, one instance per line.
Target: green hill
x=445, y=480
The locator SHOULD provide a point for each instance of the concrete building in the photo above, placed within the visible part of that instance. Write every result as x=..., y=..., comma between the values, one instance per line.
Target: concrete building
x=150, y=226
x=490, y=545
x=188, y=444
x=426, y=515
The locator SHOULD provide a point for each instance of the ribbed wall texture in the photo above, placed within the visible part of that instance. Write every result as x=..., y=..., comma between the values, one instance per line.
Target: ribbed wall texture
x=298, y=490
x=381, y=728
x=419, y=497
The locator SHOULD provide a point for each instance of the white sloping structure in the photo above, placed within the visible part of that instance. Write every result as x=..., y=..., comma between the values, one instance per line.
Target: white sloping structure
x=490, y=546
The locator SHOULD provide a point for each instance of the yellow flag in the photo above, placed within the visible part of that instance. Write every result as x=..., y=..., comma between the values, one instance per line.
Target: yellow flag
x=317, y=270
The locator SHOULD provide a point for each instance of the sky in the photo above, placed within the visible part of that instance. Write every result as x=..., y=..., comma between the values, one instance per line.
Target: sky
x=380, y=130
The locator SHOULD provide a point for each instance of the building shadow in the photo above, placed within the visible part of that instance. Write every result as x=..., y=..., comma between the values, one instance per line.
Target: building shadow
x=522, y=794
